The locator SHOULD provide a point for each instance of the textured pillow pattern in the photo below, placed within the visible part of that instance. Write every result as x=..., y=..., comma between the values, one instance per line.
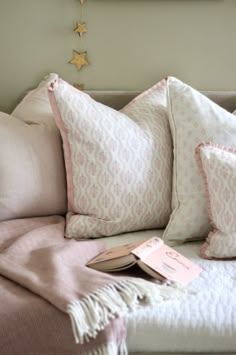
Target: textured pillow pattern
x=218, y=169
x=193, y=119
x=118, y=163
x=28, y=168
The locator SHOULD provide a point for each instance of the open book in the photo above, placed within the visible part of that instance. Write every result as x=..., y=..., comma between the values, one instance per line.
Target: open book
x=152, y=256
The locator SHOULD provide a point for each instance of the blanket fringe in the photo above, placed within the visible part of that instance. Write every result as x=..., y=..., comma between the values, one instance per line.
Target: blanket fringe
x=111, y=349
x=94, y=312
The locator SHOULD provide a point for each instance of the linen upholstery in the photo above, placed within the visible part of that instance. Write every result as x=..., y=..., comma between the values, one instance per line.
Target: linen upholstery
x=118, y=99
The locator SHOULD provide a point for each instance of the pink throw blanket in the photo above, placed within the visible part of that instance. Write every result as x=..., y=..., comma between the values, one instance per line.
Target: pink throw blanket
x=35, y=255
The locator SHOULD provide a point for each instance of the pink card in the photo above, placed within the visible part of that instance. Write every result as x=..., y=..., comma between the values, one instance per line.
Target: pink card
x=167, y=261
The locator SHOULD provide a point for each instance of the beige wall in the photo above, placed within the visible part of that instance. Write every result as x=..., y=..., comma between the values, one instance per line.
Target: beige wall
x=131, y=44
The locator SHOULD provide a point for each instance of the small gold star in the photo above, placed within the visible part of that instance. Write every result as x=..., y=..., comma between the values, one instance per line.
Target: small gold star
x=81, y=28
x=79, y=86
x=79, y=59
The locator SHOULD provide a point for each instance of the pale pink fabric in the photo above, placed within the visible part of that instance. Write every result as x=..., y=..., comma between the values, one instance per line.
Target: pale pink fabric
x=32, y=172
x=218, y=168
x=49, y=175
x=34, y=254
x=35, y=106
x=119, y=164
x=29, y=325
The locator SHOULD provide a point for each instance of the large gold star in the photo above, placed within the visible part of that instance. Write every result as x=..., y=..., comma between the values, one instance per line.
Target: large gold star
x=81, y=28
x=79, y=59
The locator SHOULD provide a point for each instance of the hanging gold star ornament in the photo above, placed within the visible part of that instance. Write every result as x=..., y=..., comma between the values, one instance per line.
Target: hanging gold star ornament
x=79, y=86
x=79, y=59
x=81, y=25
x=81, y=28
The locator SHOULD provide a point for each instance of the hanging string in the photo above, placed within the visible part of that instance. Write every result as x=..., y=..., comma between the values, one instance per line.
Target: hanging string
x=79, y=59
x=81, y=11
x=81, y=25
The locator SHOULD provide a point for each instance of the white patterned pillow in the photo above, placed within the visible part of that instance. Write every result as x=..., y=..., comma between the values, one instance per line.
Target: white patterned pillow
x=193, y=119
x=119, y=164
x=217, y=166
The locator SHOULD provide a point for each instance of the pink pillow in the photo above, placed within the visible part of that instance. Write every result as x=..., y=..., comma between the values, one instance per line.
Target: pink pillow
x=29, y=168
x=35, y=106
x=217, y=166
x=45, y=173
x=118, y=164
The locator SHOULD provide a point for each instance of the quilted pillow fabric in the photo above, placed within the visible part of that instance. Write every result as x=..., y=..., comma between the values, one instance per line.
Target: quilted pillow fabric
x=118, y=163
x=193, y=119
x=217, y=166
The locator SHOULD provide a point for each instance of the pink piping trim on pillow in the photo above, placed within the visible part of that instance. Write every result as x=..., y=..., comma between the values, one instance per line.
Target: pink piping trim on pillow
x=202, y=172
x=159, y=84
x=67, y=152
x=206, y=245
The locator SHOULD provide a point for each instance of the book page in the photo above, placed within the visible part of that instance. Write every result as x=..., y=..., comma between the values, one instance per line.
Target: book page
x=115, y=253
